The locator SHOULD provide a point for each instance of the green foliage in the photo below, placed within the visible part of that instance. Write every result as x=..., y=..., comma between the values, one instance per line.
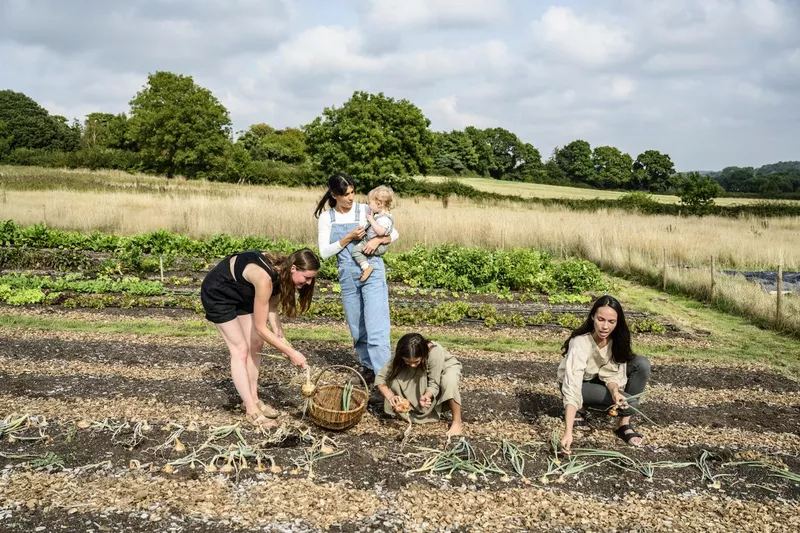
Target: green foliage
x=20, y=297
x=569, y=321
x=265, y=143
x=29, y=125
x=612, y=168
x=78, y=283
x=542, y=317
x=371, y=137
x=640, y=201
x=454, y=153
x=575, y=161
x=577, y=276
x=652, y=171
x=562, y=298
x=105, y=130
x=179, y=127
x=698, y=192
x=647, y=325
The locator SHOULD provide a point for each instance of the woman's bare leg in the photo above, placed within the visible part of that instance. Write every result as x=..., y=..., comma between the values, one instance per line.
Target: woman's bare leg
x=235, y=339
x=254, y=345
x=456, y=426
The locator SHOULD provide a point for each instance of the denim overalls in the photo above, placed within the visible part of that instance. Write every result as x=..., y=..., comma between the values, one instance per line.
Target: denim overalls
x=366, y=304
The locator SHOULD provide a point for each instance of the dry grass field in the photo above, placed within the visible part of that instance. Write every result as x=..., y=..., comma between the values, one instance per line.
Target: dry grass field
x=540, y=190
x=618, y=241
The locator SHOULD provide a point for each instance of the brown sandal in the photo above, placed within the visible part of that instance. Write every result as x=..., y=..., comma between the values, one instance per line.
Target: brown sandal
x=260, y=421
x=266, y=410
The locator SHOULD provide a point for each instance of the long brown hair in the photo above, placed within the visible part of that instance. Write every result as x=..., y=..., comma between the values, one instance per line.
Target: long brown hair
x=410, y=346
x=621, y=351
x=303, y=259
x=337, y=184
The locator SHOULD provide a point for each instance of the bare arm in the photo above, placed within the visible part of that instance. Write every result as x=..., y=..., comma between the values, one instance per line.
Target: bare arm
x=261, y=311
x=274, y=317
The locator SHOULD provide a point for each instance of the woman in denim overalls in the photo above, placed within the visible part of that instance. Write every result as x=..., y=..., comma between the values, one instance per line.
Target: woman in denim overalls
x=366, y=304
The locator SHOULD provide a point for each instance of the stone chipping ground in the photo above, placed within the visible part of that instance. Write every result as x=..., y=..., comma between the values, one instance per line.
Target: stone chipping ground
x=58, y=475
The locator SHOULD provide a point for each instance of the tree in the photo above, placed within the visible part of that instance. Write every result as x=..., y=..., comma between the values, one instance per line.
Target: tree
x=265, y=143
x=5, y=141
x=511, y=158
x=482, y=149
x=575, y=161
x=371, y=137
x=652, y=171
x=698, y=192
x=106, y=130
x=612, y=167
x=29, y=125
x=179, y=127
x=454, y=151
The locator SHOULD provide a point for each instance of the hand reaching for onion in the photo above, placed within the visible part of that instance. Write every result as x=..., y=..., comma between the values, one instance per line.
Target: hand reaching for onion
x=399, y=404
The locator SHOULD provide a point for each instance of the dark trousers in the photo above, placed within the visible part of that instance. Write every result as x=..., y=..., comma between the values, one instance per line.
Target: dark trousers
x=596, y=394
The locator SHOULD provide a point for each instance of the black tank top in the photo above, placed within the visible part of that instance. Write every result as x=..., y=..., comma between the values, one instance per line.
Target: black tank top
x=257, y=258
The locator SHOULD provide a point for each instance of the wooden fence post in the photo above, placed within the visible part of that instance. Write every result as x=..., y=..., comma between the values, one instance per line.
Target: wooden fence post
x=161, y=266
x=713, y=281
x=664, y=272
x=779, y=301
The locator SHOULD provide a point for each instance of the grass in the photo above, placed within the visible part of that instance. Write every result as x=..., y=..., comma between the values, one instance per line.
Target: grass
x=540, y=190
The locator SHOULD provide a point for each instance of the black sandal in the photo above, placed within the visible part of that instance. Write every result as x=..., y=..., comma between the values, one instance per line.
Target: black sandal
x=581, y=422
x=627, y=433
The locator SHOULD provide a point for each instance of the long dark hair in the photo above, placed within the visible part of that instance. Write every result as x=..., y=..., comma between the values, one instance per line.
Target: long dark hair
x=411, y=346
x=337, y=184
x=621, y=351
x=303, y=259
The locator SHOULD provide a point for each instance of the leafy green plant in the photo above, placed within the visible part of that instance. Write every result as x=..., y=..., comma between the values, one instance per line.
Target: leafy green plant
x=647, y=325
x=569, y=321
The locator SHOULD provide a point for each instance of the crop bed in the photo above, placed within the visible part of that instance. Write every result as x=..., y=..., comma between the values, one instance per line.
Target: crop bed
x=113, y=430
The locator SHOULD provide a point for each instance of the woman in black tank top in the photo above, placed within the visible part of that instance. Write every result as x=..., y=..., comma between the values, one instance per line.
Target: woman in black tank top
x=240, y=296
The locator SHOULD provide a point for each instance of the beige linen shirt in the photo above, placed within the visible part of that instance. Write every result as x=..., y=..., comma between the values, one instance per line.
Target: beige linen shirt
x=585, y=361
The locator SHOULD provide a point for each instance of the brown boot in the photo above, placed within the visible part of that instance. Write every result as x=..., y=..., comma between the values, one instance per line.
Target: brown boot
x=366, y=272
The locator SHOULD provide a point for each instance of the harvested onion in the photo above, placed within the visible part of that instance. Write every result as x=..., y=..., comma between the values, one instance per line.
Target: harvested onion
x=403, y=406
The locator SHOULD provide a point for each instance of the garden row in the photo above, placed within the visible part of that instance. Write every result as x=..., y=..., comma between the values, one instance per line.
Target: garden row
x=445, y=267
x=19, y=290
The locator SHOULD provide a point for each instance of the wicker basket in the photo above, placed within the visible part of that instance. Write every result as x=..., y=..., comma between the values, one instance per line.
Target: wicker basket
x=324, y=406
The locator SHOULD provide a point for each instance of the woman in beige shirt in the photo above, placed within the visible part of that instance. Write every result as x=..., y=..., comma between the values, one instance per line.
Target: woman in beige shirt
x=425, y=374
x=600, y=369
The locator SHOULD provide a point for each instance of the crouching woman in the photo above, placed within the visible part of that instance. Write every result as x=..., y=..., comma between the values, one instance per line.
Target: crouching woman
x=425, y=375
x=599, y=369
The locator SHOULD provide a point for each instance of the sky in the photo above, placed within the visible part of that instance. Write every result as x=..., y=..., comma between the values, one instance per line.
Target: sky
x=713, y=83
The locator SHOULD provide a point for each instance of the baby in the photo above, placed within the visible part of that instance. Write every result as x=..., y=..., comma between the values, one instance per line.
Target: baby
x=379, y=224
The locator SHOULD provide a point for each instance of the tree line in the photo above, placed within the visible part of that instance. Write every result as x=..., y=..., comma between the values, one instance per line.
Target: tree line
x=175, y=127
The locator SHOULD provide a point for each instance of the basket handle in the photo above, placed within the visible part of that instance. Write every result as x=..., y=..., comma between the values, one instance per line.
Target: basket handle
x=353, y=370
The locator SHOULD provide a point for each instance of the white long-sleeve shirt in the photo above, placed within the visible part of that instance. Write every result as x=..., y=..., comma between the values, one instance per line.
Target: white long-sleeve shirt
x=583, y=362
x=326, y=247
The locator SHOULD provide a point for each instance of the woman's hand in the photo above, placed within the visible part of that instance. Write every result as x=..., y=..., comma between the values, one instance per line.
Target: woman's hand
x=372, y=245
x=296, y=358
x=566, y=442
x=394, y=401
x=426, y=400
x=357, y=234
x=620, y=400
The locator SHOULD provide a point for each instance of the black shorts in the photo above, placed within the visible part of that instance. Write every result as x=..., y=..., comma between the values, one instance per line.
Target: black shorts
x=221, y=302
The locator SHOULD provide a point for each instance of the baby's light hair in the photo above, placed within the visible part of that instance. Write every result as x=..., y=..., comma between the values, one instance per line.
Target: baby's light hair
x=384, y=194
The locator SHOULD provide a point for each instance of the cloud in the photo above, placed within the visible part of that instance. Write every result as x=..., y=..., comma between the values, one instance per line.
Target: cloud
x=711, y=82
x=445, y=116
x=398, y=15
x=590, y=44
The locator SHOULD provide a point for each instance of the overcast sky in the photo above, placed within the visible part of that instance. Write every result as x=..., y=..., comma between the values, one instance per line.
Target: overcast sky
x=711, y=82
